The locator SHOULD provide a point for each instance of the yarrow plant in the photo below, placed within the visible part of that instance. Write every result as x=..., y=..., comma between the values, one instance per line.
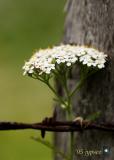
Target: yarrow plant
x=58, y=62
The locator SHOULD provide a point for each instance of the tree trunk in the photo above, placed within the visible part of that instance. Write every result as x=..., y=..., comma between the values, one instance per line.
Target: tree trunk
x=91, y=22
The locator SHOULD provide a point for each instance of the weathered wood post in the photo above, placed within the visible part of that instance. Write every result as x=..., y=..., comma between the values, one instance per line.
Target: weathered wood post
x=91, y=22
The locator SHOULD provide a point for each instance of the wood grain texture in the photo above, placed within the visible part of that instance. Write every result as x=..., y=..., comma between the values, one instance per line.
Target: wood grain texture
x=91, y=22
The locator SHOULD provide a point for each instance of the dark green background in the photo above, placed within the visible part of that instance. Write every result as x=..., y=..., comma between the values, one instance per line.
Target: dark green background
x=25, y=25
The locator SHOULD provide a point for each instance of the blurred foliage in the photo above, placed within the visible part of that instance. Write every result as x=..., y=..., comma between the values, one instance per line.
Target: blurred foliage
x=24, y=27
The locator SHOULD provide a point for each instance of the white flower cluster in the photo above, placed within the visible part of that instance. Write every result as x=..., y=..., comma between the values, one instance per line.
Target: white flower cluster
x=45, y=61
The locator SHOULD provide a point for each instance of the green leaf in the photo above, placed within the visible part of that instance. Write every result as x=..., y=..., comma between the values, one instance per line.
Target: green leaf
x=50, y=146
x=94, y=116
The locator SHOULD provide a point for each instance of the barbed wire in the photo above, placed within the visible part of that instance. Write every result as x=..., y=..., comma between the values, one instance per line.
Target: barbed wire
x=48, y=124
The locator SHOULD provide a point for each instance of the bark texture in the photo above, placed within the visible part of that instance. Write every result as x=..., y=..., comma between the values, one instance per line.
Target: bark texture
x=91, y=22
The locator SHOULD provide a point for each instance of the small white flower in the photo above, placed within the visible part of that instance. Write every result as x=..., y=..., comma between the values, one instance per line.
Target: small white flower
x=101, y=66
x=68, y=64
x=58, y=61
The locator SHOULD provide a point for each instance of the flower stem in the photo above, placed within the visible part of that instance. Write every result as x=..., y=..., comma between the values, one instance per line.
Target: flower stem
x=78, y=86
x=72, y=144
x=70, y=118
x=59, y=98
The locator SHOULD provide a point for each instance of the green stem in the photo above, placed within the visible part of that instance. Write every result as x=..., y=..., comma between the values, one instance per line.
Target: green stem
x=69, y=113
x=78, y=86
x=46, y=81
x=84, y=76
x=59, y=98
x=49, y=145
x=70, y=117
x=72, y=144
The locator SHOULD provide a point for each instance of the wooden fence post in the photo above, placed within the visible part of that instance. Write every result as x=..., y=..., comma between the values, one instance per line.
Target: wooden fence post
x=91, y=22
